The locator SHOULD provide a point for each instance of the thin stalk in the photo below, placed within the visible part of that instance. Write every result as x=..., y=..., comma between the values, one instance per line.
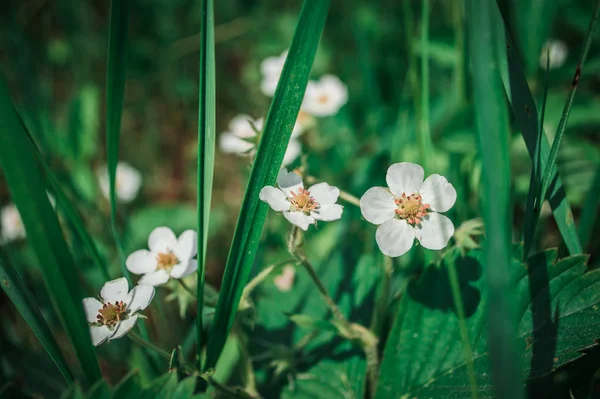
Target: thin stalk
x=260, y=277
x=149, y=345
x=424, y=129
x=382, y=301
x=186, y=288
x=459, y=38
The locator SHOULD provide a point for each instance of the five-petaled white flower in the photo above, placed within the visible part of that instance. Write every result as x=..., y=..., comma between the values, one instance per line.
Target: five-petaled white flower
x=558, y=52
x=325, y=97
x=168, y=257
x=270, y=69
x=12, y=225
x=117, y=311
x=408, y=210
x=242, y=139
x=285, y=280
x=302, y=207
x=127, y=183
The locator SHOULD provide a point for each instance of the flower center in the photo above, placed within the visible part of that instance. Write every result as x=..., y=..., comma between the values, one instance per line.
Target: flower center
x=111, y=314
x=411, y=208
x=166, y=260
x=323, y=99
x=303, y=202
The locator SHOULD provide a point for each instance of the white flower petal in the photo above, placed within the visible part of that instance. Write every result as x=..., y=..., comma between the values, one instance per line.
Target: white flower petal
x=438, y=193
x=395, y=237
x=377, y=205
x=272, y=66
x=141, y=262
x=404, y=177
x=231, y=144
x=434, y=231
x=187, y=245
x=289, y=181
x=328, y=213
x=292, y=152
x=162, y=240
x=139, y=298
x=157, y=278
x=12, y=225
x=184, y=269
x=123, y=327
x=91, y=306
x=275, y=198
x=285, y=281
x=115, y=290
x=299, y=219
x=268, y=85
x=324, y=194
x=128, y=183
x=99, y=334
x=325, y=97
x=241, y=127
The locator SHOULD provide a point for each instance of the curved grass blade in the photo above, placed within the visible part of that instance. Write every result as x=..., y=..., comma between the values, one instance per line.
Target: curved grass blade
x=206, y=153
x=20, y=296
x=492, y=128
x=276, y=135
x=588, y=213
x=28, y=188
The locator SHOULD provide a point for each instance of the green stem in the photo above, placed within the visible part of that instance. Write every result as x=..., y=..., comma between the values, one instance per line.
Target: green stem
x=149, y=345
x=382, y=301
x=424, y=129
x=260, y=277
x=186, y=288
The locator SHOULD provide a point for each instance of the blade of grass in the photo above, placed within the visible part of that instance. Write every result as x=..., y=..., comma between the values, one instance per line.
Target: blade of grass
x=28, y=188
x=424, y=130
x=206, y=153
x=277, y=131
x=590, y=208
x=20, y=296
x=492, y=128
x=526, y=116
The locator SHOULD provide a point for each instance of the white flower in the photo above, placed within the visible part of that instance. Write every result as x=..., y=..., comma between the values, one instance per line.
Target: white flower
x=270, y=69
x=325, y=97
x=127, y=183
x=117, y=311
x=168, y=257
x=12, y=225
x=285, y=280
x=408, y=209
x=302, y=207
x=558, y=54
x=241, y=138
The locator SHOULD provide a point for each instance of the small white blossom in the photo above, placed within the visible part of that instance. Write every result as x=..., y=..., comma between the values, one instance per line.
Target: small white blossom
x=285, y=281
x=558, y=54
x=117, y=311
x=241, y=138
x=12, y=225
x=299, y=206
x=409, y=209
x=325, y=97
x=127, y=184
x=270, y=69
x=168, y=257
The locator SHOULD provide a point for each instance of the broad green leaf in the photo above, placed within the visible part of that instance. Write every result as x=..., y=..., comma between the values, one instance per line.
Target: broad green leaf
x=275, y=137
x=424, y=356
x=28, y=190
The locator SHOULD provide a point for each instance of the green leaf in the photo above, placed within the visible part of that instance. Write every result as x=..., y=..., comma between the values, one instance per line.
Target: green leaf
x=491, y=120
x=312, y=323
x=129, y=387
x=24, y=301
x=99, y=390
x=28, y=189
x=185, y=389
x=206, y=154
x=424, y=356
x=590, y=207
x=275, y=138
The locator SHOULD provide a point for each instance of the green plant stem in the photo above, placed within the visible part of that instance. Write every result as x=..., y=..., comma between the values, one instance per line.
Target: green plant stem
x=424, y=129
x=149, y=345
x=260, y=277
x=382, y=301
x=186, y=288
x=459, y=38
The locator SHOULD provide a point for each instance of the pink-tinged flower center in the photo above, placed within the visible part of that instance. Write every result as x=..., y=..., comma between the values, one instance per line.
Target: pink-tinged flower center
x=323, y=99
x=302, y=201
x=166, y=260
x=109, y=315
x=411, y=208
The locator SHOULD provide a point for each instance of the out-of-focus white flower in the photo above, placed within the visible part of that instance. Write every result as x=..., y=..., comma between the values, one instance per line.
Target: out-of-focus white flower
x=408, y=209
x=558, y=54
x=285, y=281
x=270, y=69
x=117, y=311
x=325, y=97
x=299, y=206
x=241, y=138
x=12, y=225
x=168, y=257
x=127, y=183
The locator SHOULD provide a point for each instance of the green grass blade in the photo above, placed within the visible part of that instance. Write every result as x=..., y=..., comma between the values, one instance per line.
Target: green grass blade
x=424, y=128
x=206, y=152
x=115, y=91
x=588, y=213
x=28, y=188
x=20, y=296
x=526, y=117
x=276, y=134
x=492, y=128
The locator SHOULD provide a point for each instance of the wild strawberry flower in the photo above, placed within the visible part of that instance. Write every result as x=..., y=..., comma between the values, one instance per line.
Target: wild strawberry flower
x=557, y=50
x=117, y=311
x=11, y=224
x=285, y=281
x=302, y=207
x=409, y=209
x=270, y=69
x=325, y=97
x=127, y=184
x=168, y=257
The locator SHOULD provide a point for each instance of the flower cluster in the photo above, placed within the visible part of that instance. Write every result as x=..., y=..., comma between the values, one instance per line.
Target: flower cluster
x=127, y=183
x=554, y=53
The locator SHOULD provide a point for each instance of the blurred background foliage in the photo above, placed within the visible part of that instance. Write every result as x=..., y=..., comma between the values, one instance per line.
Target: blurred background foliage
x=53, y=58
